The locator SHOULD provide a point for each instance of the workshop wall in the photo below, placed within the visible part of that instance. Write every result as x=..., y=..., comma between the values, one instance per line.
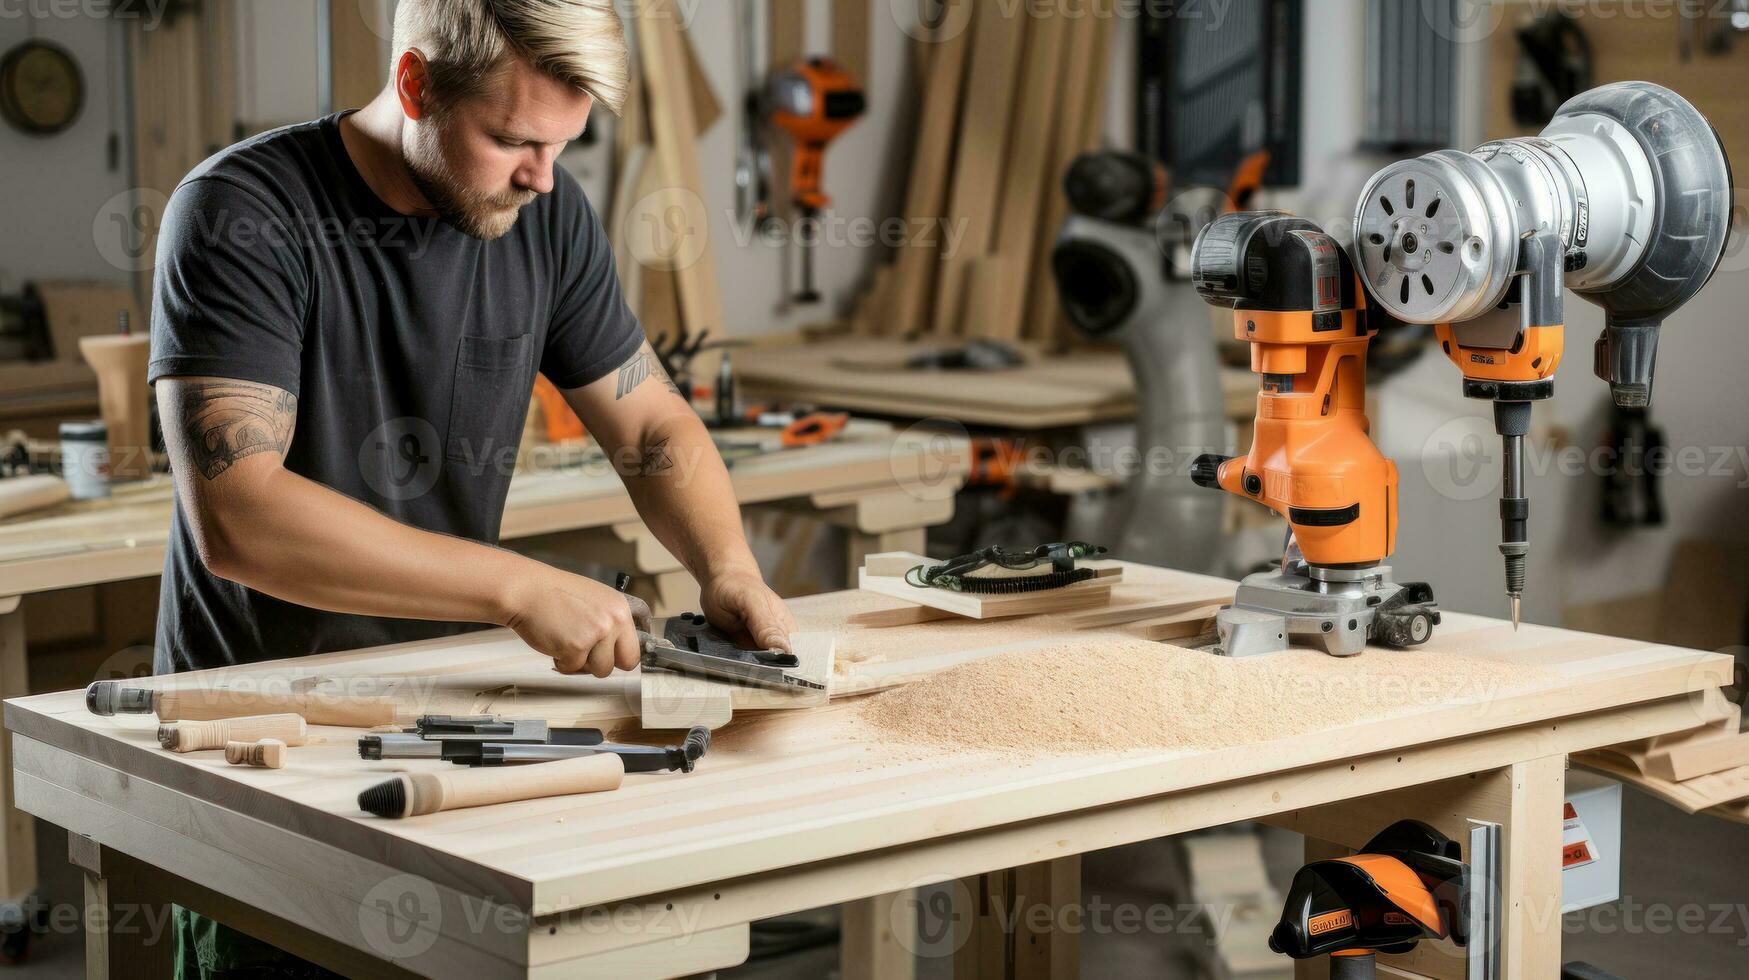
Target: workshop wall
x=55, y=185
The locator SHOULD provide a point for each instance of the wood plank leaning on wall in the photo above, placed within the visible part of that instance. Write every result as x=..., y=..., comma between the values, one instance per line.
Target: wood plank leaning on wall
x=184, y=86
x=358, y=51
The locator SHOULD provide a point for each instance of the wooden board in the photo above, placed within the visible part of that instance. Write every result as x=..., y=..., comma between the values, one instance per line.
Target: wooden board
x=788, y=789
x=670, y=700
x=877, y=576
x=1029, y=183
x=359, y=56
x=674, y=133
x=1087, y=37
x=981, y=158
x=86, y=309
x=918, y=263
x=1628, y=45
x=852, y=28
x=866, y=374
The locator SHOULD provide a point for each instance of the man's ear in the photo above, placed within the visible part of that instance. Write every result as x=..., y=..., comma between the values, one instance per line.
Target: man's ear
x=413, y=83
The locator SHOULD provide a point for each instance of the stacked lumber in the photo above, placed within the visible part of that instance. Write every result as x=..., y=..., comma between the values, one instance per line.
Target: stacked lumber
x=1702, y=770
x=1009, y=100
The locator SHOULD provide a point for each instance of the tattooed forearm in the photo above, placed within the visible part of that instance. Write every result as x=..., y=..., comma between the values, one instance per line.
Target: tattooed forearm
x=655, y=459
x=643, y=366
x=226, y=421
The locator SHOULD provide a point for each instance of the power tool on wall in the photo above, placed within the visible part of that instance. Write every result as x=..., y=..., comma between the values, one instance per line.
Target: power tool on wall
x=814, y=102
x=1625, y=199
x=1297, y=301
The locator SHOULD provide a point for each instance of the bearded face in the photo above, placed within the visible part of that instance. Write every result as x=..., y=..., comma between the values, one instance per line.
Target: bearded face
x=483, y=158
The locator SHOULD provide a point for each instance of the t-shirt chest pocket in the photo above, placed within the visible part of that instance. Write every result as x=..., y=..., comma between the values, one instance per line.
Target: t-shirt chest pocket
x=493, y=378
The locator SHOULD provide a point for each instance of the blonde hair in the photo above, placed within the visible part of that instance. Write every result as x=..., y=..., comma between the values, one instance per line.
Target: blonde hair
x=580, y=42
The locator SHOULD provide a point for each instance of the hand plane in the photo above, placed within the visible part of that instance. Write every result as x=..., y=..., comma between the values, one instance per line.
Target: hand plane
x=690, y=645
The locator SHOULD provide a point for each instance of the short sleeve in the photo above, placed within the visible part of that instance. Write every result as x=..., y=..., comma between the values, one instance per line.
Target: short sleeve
x=593, y=331
x=230, y=290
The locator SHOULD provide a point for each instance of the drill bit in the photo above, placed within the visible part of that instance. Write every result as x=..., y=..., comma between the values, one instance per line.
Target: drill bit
x=1512, y=421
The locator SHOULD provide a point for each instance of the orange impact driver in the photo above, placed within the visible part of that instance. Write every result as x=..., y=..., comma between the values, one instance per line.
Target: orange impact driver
x=1297, y=301
x=814, y=102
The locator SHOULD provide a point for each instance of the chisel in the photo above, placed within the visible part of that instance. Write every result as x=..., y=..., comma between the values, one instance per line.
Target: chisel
x=417, y=793
x=114, y=698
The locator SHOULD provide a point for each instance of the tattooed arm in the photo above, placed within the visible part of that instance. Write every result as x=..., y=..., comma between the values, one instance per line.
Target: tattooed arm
x=260, y=525
x=677, y=479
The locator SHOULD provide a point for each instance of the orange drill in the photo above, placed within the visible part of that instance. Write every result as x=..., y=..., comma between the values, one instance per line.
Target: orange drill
x=1297, y=301
x=814, y=102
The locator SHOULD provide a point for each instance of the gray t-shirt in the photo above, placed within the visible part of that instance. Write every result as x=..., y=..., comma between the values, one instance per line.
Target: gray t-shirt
x=411, y=347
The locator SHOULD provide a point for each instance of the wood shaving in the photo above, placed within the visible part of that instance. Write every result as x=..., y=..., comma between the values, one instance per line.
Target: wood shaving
x=1107, y=692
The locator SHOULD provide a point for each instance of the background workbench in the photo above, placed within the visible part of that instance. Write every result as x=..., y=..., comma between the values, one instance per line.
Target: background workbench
x=802, y=809
x=884, y=489
x=1049, y=391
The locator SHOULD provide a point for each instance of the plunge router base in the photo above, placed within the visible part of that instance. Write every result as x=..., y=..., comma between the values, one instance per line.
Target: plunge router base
x=1337, y=609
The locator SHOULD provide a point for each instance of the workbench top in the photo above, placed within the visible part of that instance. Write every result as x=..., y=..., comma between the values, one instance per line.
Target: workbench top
x=783, y=789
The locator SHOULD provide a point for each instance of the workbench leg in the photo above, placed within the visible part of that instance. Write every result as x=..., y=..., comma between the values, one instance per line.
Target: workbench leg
x=878, y=938
x=18, y=842
x=128, y=931
x=863, y=544
x=1530, y=901
x=1026, y=925
x=1524, y=799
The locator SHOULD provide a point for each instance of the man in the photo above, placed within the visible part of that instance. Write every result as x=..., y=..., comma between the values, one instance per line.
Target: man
x=349, y=316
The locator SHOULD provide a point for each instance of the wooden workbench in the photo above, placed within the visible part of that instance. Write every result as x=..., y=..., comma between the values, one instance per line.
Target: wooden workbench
x=801, y=809
x=884, y=489
x=865, y=374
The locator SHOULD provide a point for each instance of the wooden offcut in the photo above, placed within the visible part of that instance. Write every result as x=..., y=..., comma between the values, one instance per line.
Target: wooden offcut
x=1092, y=592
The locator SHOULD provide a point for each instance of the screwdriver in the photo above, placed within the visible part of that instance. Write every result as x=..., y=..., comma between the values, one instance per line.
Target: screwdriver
x=1512, y=421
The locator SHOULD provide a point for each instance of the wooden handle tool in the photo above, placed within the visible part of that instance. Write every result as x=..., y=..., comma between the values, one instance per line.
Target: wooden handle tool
x=194, y=736
x=415, y=794
x=269, y=753
x=21, y=494
x=211, y=704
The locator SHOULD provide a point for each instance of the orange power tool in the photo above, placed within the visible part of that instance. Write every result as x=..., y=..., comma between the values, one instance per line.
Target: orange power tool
x=814, y=102
x=1296, y=299
x=1408, y=884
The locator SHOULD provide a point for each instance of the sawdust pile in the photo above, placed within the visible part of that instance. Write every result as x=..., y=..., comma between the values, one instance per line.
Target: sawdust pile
x=1106, y=691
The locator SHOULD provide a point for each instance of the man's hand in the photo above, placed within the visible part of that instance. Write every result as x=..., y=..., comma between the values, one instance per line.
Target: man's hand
x=583, y=625
x=739, y=602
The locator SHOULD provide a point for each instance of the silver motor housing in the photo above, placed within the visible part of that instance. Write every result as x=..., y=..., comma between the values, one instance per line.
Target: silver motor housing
x=1630, y=181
